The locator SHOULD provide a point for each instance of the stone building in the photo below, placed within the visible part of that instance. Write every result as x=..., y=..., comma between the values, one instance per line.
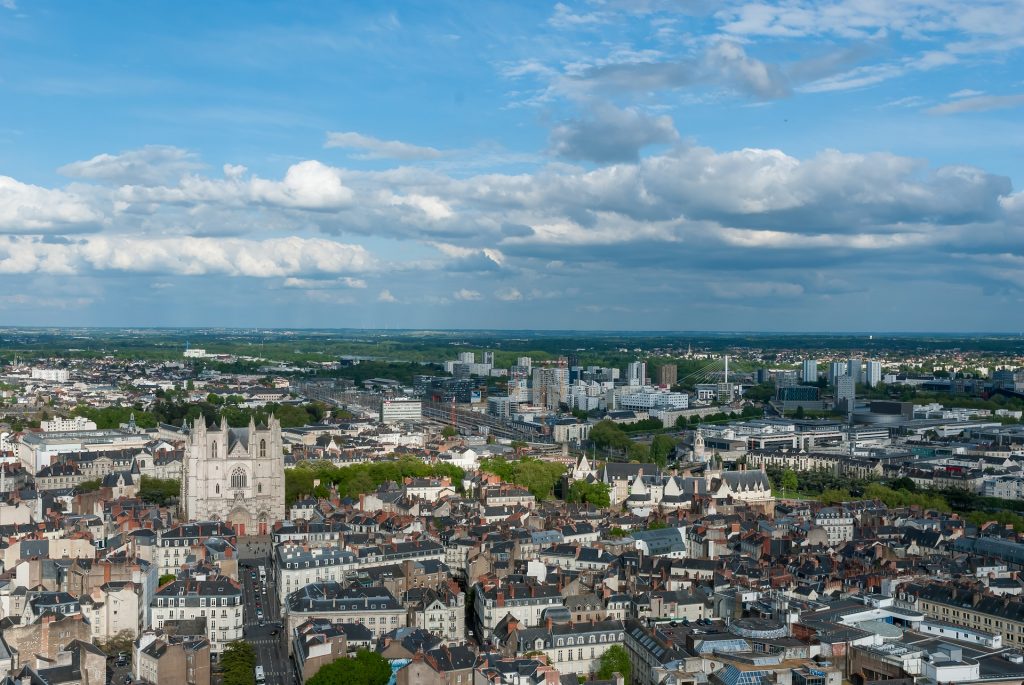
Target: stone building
x=235, y=475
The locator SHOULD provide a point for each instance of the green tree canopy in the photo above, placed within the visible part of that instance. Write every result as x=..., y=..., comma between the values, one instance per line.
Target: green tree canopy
x=615, y=660
x=661, y=447
x=789, y=481
x=89, y=485
x=835, y=496
x=159, y=490
x=352, y=481
x=539, y=477
x=449, y=432
x=366, y=668
x=597, y=494
x=238, y=662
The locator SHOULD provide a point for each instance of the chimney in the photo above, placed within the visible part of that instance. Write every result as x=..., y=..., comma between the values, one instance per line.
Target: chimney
x=500, y=599
x=549, y=624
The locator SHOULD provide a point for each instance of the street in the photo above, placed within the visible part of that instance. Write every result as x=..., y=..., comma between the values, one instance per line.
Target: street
x=116, y=674
x=271, y=650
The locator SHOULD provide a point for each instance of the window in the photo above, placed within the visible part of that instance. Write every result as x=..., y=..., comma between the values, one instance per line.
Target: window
x=218, y=488
x=213, y=450
x=259, y=488
x=263, y=449
x=238, y=478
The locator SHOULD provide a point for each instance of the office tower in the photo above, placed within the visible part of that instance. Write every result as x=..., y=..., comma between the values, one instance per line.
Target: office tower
x=873, y=374
x=489, y=358
x=636, y=373
x=835, y=370
x=785, y=379
x=809, y=371
x=667, y=374
x=763, y=375
x=845, y=393
x=854, y=370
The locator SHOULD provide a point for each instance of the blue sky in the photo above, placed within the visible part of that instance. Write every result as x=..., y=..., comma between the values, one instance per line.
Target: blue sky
x=605, y=164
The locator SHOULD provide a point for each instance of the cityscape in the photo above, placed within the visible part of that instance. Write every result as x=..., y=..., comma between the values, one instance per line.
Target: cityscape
x=575, y=342
x=542, y=508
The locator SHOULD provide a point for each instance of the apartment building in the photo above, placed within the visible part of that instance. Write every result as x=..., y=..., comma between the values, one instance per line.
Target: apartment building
x=217, y=601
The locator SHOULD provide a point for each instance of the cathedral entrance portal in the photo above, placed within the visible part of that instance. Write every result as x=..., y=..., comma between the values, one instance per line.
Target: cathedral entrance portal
x=240, y=520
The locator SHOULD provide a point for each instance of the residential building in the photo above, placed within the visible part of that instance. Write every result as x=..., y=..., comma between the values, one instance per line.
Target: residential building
x=809, y=371
x=374, y=607
x=217, y=600
x=668, y=374
x=163, y=659
x=845, y=393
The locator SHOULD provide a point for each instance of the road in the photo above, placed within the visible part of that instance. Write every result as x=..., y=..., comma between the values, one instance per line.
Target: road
x=116, y=674
x=271, y=649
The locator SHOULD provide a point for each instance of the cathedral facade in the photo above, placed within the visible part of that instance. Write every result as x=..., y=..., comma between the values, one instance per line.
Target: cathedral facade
x=234, y=475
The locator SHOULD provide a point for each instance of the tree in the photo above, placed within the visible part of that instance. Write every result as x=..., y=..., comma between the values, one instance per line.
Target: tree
x=166, y=578
x=449, y=432
x=597, y=494
x=122, y=642
x=366, y=668
x=615, y=660
x=790, y=481
x=661, y=448
x=835, y=496
x=159, y=490
x=90, y=485
x=238, y=662
x=904, y=483
x=799, y=413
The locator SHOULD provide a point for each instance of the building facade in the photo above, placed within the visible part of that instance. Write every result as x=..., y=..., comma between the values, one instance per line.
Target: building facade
x=235, y=475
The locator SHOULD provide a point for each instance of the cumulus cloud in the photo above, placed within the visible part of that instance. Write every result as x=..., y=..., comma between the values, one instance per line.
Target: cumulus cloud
x=467, y=295
x=188, y=256
x=375, y=148
x=150, y=165
x=26, y=208
x=610, y=134
x=308, y=185
x=386, y=296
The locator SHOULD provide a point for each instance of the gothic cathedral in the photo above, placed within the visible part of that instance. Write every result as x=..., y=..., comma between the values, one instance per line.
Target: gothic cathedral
x=234, y=475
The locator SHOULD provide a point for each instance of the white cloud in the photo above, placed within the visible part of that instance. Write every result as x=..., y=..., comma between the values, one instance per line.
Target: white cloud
x=308, y=185
x=375, y=148
x=323, y=284
x=966, y=93
x=434, y=207
x=189, y=256
x=28, y=208
x=386, y=296
x=150, y=165
x=509, y=295
x=979, y=103
x=467, y=295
